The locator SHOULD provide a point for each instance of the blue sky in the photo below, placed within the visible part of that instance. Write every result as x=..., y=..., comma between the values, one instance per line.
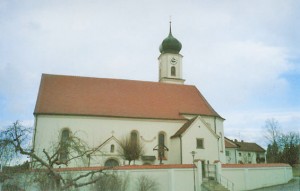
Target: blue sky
x=244, y=56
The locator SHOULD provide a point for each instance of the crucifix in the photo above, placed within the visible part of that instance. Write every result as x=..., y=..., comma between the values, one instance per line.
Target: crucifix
x=161, y=151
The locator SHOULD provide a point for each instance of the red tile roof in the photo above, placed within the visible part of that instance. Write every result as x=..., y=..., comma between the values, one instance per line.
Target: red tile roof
x=127, y=167
x=243, y=146
x=71, y=95
x=246, y=146
x=184, y=128
x=254, y=165
x=230, y=144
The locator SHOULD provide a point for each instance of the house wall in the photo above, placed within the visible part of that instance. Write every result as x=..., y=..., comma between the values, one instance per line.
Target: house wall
x=189, y=143
x=246, y=157
x=248, y=177
x=232, y=156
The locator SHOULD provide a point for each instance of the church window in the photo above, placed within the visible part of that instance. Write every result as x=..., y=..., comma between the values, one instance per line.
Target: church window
x=161, y=143
x=173, y=71
x=200, y=143
x=64, y=145
x=134, y=136
x=111, y=163
x=112, y=148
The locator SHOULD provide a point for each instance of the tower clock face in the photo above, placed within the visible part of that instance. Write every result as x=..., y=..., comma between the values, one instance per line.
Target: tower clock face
x=173, y=61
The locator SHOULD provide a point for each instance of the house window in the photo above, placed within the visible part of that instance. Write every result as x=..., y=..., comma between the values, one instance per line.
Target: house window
x=64, y=145
x=111, y=163
x=112, y=148
x=173, y=71
x=227, y=153
x=240, y=154
x=200, y=144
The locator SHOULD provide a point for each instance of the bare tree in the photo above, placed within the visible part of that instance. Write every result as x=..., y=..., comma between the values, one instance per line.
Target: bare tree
x=145, y=183
x=272, y=130
x=282, y=147
x=112, y=182
x=15, y=141
x=131, y=150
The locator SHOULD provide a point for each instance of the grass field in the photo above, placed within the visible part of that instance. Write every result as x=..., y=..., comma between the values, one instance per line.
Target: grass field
x=296, y=171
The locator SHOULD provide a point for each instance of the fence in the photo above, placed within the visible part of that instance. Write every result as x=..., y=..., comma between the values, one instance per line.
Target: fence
x=252, y=176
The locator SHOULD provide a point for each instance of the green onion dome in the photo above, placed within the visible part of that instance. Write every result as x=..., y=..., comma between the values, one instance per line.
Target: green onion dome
x=170, y=44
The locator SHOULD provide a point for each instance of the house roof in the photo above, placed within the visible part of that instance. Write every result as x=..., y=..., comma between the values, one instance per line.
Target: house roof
x=230, y=144
x=243, y=146
x=188, y=124
x=72, y=95
x=184, y=128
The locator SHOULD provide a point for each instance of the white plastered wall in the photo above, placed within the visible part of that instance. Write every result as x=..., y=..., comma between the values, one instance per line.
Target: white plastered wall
x=200, y=130
x=95, y=130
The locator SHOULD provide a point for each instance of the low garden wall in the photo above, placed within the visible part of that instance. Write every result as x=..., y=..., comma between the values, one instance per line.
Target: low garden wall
x=252, y=176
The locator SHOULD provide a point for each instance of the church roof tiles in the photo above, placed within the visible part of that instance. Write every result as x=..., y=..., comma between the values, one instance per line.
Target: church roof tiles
x=72, y=95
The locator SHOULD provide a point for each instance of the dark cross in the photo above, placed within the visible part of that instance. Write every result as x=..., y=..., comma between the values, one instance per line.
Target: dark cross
x=160, y=149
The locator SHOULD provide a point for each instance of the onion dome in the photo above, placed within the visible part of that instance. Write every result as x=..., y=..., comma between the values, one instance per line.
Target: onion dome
x=170, y=44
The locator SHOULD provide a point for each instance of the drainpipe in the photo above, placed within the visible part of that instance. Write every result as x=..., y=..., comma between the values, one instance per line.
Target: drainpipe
x=218, y=148
x=215, y=123
x=180, y=149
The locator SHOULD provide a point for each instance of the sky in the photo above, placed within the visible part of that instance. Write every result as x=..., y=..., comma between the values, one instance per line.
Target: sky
x=243, y=56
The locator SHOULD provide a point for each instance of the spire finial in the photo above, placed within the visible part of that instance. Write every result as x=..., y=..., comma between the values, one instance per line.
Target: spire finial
x=170, y=25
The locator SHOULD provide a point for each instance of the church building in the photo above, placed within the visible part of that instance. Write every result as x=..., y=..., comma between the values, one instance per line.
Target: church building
x=170, y=119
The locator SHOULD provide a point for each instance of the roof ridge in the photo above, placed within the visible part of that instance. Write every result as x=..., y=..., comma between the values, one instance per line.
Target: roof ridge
x=115, y=79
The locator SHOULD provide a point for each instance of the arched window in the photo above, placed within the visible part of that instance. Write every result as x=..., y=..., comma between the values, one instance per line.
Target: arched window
x=111, y=163
x=173, y=71
x=112, y=148
x=65, y=135
x=161, y=142
x=134, y=136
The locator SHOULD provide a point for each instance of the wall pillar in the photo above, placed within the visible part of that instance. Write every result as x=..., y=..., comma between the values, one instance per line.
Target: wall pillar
x=171, y=180
x=246, y=179
x=218, y=171
x=199, y=175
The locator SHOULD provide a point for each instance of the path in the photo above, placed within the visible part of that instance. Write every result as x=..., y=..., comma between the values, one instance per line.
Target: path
x=293, y=185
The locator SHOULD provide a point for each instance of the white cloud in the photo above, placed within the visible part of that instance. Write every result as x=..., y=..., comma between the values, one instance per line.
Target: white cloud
x=241, y=71
x=235, y=52
x=249, y=125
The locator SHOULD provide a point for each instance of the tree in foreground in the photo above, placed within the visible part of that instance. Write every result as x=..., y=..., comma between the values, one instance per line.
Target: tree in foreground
x=131, y=148
x=15, y=142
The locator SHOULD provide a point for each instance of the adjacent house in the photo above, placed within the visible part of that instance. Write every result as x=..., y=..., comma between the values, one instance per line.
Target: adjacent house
x=243, y=152
x=166, y=114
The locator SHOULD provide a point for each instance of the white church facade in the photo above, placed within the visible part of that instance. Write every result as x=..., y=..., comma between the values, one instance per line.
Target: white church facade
x=102, y=111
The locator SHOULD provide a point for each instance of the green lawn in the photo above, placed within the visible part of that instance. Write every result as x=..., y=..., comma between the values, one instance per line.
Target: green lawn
x=296, y=171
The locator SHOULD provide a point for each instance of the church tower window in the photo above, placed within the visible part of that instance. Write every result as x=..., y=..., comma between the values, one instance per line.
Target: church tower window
x=173, y=71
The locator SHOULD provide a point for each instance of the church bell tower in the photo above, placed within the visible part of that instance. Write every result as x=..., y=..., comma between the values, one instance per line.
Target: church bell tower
x=170, y=61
